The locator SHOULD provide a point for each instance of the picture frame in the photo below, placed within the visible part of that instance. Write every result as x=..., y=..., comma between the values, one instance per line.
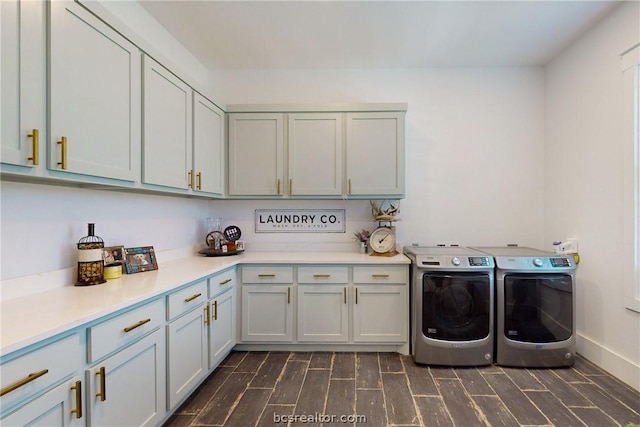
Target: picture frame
x=113, y=255
x=140, y=259
x=239, y=245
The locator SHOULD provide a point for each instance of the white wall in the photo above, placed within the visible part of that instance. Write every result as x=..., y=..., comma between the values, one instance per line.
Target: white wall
x=584, y=181
x=474, y=143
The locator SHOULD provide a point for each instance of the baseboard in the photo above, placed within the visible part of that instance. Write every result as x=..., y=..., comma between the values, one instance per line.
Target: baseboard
x=623, y=369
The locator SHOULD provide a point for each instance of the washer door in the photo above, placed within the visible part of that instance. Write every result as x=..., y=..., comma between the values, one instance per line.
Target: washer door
x=538, y=307
x=456, y=307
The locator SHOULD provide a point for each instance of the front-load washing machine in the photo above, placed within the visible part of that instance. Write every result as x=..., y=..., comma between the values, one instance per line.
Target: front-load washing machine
x=535, y=307
x=452, y=308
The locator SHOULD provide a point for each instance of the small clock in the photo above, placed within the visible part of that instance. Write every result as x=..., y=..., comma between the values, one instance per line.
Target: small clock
x=383, y=240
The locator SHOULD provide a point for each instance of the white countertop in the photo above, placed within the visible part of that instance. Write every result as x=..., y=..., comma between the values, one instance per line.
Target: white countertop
x=30, y=319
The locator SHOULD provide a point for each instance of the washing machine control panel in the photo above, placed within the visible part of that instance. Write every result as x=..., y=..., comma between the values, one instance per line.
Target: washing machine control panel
x=479, y=261
x=560, y=262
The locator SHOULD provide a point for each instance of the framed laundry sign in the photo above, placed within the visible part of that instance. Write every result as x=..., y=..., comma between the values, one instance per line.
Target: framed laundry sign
x=300, y=221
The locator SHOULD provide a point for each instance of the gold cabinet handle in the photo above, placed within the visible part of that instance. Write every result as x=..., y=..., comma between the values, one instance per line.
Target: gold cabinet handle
x=289, y=295
x=278, y=185
x=190, y=179
x=63, y=152
x=137, y=325
x=224, y=282
x=206, y=315
x=215, y=310
x=35, y=146
x=321, y=276
x=344, y=293
x=356, y=295
x=290, y=185
x=102, y=394
x=349, y=186
x=380, y=276
x=32, y=376
x=78, y=388
x=192, y=297
x=199, y=181
x=266, y=275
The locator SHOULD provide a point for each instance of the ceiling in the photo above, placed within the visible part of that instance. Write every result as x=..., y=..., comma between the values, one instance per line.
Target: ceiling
x=375, y=34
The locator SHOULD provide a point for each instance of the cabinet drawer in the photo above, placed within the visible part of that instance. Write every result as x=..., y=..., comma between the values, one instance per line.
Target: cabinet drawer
x=267, y=274
x=381, y=274
x=222, y=282
x=185, y=299
x=32, y=372
x=323, y=274
x=124, y=329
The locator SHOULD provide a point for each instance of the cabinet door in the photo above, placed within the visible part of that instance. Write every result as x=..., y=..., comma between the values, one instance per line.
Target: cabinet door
x=129, y=388
x=380, y=313
x=61, y=406
x=267, y=313
x=323, y=313
x=209, y=163
x=187, y=352
x=315, y=154
x=167, y=116
x=375, y=154
x=94, y=96
x=23, y=73
x=222, y=330
x=256, y=152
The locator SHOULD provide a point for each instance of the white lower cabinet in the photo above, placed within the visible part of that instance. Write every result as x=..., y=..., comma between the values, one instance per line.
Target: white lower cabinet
x=222, y=326
x=129, y=387
x=380, y=314
x=323, y=313
x=62, y=406
x=187, y=353
x=267, y=313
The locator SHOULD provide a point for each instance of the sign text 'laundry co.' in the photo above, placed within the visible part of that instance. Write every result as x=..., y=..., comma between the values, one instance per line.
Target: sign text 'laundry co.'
x=300, y=220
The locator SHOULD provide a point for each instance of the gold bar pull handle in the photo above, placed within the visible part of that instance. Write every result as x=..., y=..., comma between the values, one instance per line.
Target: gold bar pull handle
x=289, y=295
x=356, y=295
x=137, y=325
x=380, y=276
x=264, y=276
x=192, y=297
x=35, y=146
x=102, y=394
x=63, y=152
x=206, y=315
x=321, y=276
x=344, y=292
x=190, y=179
x=199, y=181
x=349, y=186
x=278, y=187
x=78, y=388
x=215, y=310
x=31, y=377
x=290, y=185
x=224, y=282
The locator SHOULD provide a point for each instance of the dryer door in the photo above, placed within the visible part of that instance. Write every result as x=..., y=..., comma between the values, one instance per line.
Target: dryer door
x=538, y=307
x=456, y=306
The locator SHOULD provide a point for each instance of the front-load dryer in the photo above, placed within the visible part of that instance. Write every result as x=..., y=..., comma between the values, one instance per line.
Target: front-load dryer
x=452, y=308
x=535, y=307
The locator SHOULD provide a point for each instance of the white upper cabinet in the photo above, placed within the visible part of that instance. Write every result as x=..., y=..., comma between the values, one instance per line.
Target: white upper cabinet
x=256, y=154
x=315, y=154
x=167, y=137
x=22, y=92
x=94, y=96
x=208, y=146
x=375, y=154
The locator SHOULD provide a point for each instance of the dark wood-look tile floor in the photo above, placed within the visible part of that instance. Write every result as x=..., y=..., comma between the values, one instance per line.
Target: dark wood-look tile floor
x=382, y=389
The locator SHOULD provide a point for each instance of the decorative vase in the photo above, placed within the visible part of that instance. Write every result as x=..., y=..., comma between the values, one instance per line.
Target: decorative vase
x=363, y=247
